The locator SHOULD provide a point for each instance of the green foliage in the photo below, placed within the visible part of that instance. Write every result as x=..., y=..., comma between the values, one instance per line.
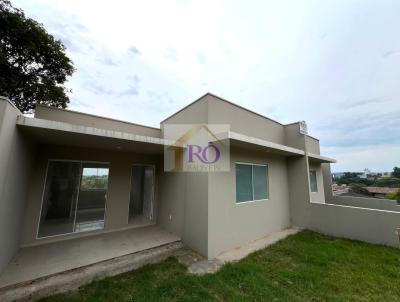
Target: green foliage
x=396, y=172
x=303, y=267
x=33, y=64
x=359, y=189
x=94, y=182
x=349, y=178
x=391, y=182
x=394, y=196
x=351, y=175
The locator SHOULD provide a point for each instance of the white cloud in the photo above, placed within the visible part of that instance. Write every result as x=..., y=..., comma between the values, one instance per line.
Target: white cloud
x=335, y=64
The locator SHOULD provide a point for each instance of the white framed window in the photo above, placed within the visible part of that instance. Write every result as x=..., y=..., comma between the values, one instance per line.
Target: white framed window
x=251, y=182
x=313, y=181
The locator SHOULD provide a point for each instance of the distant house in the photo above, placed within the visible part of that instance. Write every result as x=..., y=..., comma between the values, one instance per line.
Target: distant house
x=366, y=173
x=337, y=175
x=380, y=192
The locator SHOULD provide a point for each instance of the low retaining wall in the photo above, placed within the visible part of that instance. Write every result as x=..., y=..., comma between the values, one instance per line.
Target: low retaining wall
x=365, y=202
x=370, y=225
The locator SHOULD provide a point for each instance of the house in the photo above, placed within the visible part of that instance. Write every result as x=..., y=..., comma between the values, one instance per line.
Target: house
x=77, y=188
x=380, y=192
x=387, y=174
x=366, y=174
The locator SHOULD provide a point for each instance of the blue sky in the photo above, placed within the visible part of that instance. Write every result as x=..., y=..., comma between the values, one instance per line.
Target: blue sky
x=335, y=64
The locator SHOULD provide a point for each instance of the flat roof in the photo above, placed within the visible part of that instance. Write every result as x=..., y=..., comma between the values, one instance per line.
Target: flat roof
x=98, y=116
x=320, y=158
x=61, y=133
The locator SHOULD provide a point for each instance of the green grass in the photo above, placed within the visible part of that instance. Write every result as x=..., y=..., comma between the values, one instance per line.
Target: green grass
x=304, y=267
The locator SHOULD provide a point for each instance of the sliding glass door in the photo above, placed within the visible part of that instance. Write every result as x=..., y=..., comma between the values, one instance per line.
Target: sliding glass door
x=91, y=205
x=74, y=198
x=141, y=195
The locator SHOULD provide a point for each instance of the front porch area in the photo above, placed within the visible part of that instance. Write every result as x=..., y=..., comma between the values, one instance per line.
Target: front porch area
x=40, y=261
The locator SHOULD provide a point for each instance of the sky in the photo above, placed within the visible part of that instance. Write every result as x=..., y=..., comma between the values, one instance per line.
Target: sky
x=334, y=64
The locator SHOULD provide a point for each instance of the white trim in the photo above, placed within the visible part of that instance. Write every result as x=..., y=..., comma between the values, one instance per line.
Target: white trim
x=253, y=164
x=24, y=121
x=251, y=201
x=96, y=116
x=320, y=158
x=252, y=181
x=261, y=142
x=77, y=198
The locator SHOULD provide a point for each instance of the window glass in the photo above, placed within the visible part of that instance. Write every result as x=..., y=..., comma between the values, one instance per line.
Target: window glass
x=313, y=181
x=251, y=182
x=244, y=187
x=260, y=182
x=94, y=178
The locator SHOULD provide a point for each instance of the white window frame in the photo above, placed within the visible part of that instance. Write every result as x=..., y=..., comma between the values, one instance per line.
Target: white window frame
x=252, y=181
x=316, y=179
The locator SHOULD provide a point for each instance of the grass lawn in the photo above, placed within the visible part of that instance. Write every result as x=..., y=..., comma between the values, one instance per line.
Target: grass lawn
x=304, y=267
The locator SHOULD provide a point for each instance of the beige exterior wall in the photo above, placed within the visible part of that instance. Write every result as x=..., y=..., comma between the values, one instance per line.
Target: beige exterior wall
x=83, y=119
x=117, y=204
x=16, y=160
x=184, y=208
x=233, y=224
x=243, y=121
x=195, y=113
x=229, y=224
x=299, y=190
x=369, y=225
x=366, y=202
x=171, y=211
x=293, y=138
x=312, y=145
x=195, y=228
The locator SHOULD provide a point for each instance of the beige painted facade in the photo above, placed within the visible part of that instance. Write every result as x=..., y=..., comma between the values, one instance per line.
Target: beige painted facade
x=232, y=224
x=200, y=208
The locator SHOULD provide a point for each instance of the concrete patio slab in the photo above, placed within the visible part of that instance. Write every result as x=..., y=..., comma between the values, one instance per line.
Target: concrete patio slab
x=48, y=259
x=71, y=280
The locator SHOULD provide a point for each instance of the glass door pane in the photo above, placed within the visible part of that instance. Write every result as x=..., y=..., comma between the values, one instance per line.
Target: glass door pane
x=91, y=204
x=59, y=199
x=141, y=195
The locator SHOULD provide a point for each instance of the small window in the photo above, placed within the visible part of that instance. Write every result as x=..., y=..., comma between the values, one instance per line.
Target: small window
x=313, y=181
x=251, y=182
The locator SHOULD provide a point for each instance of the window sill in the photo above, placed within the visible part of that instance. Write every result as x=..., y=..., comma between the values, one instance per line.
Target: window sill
x=251, y=201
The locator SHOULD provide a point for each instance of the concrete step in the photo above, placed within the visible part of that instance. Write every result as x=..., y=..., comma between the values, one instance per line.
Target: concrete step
x=72, y=279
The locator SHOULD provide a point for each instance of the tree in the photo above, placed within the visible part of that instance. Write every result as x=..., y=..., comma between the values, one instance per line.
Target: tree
x=33, y=64
x=394, y=196
x=358, y=188
x=396, y=172
x=391, y=182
